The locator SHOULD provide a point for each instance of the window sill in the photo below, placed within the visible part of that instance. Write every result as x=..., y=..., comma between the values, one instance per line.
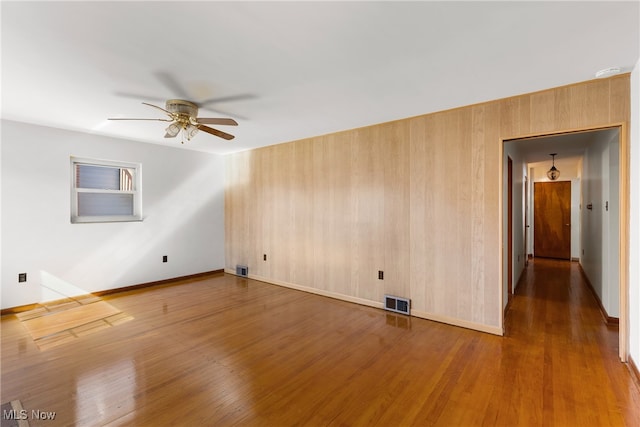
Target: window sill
x=102, y=219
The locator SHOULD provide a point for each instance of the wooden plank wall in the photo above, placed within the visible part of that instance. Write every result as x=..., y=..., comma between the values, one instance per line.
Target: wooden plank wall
x=417, y=198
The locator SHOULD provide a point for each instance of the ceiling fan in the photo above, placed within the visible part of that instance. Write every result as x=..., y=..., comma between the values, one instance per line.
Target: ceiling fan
x=183, y=116
x=179, y=91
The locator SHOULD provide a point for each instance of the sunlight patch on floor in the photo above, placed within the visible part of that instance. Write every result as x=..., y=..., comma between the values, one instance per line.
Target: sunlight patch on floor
x=61, y=322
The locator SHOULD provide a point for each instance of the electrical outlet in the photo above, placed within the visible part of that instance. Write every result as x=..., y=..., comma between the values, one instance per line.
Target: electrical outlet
x=264, y=257
x=380, y=274
x=22, y=277
x=164, y=258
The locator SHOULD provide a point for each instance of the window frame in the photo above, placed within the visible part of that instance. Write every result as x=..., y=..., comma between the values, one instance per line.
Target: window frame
x=136, y=192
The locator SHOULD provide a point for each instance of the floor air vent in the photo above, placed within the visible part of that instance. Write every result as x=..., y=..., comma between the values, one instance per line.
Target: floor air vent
x=397, y=304
x=242, y=270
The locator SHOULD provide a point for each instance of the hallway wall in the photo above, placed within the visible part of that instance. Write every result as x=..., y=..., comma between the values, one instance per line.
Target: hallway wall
x=600, y=224
x=518, y=249
x=419, y=198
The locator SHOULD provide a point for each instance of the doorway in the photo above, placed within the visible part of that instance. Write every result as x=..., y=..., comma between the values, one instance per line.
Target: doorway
x=590, y=205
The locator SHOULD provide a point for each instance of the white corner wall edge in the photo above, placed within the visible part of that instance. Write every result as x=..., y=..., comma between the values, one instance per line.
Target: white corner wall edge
x=633, y=305
x=495, y=330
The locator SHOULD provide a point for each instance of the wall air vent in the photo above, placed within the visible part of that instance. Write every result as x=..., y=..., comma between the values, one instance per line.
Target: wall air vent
x=397, y=304
x=242, y=270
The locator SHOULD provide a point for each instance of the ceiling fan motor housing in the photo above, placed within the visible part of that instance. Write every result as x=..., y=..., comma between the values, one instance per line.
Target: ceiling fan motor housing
x=179, y=106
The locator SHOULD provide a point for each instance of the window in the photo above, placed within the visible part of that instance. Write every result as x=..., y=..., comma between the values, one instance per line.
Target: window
x=105, y=191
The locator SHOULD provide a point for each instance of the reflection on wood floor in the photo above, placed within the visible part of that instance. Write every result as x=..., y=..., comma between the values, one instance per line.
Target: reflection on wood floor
x=226, y=350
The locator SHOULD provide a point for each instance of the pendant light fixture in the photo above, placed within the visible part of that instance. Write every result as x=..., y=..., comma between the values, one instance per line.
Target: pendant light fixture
x=553, y=173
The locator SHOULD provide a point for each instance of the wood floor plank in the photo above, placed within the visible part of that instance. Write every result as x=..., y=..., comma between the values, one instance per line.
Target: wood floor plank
x=232, y=351
x=68, y=319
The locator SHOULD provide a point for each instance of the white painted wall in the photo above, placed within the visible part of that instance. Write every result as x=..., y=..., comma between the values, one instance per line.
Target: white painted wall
x=518, y=250
x=599, y=230
x=183, y=208
x=575, y=218
x=634, y=222
x=612, y=226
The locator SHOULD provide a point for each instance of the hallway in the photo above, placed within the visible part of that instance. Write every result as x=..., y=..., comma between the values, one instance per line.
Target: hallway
x=557, y=336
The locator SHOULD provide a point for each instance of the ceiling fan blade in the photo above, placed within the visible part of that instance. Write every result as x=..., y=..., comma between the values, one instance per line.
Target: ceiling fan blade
x=159, y=108
x=227, y=99
x=221, y=112
x=216, y=132
x=169, y=81
x=214, y=121
x=136, y=96
x=127, y=118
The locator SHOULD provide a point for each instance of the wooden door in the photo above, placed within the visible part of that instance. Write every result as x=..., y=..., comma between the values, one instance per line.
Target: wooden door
x=552, y=219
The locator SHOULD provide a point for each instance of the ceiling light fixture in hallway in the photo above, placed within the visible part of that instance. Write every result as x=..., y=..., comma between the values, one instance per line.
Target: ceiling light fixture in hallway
x=553, y=173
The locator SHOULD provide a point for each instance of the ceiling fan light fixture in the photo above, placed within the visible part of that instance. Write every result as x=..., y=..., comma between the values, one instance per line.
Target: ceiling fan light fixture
x=553, y=173
x=190, y=131
x=172, y=130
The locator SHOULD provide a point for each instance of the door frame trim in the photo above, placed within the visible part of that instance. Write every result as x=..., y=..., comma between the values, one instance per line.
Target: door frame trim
x=623, y=213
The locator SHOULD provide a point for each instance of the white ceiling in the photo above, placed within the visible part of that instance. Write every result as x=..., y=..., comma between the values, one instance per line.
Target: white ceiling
x=305, y=68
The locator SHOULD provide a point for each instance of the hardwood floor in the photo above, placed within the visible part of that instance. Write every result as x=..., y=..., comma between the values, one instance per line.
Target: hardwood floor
x=231, y=351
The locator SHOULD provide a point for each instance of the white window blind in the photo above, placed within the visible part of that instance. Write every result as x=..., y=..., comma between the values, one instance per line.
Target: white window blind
x=104, y=191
